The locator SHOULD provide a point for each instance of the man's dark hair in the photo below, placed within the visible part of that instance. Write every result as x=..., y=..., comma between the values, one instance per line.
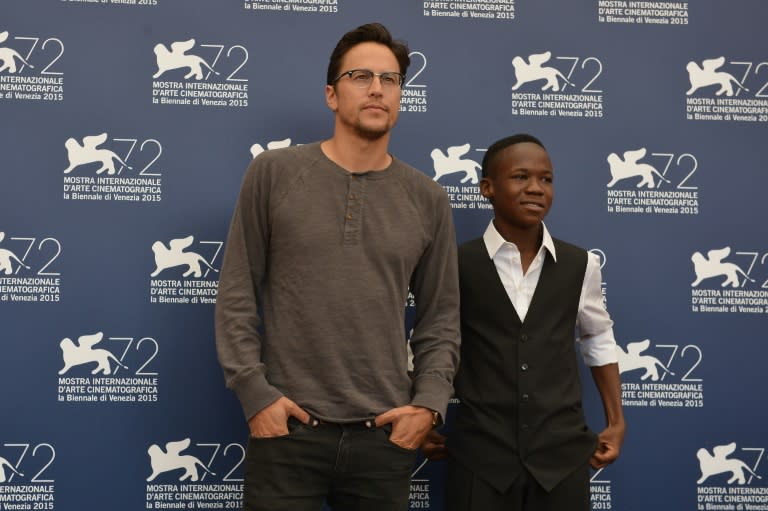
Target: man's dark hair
x=500, y=145
x=370, y=32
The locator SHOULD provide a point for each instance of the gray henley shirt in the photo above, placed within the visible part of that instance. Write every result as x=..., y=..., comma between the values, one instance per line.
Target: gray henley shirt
x=313, y=286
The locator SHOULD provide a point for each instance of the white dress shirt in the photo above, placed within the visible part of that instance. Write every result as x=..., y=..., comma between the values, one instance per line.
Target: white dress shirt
x=593, y=324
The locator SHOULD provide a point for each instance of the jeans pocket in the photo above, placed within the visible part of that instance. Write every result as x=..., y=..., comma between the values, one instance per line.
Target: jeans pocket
x=387, y=429
x=294, y=426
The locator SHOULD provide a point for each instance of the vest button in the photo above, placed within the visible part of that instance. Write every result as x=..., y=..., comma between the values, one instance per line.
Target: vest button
x=524, y=427
x=525, y=397
x=524, y=367
x=524, y=337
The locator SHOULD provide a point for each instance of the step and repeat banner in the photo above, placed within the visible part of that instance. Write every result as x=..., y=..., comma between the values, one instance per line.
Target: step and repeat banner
x=127, y=126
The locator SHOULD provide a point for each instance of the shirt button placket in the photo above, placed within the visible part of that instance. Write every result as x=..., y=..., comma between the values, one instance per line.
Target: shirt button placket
x=524, y=396
x=352, y=223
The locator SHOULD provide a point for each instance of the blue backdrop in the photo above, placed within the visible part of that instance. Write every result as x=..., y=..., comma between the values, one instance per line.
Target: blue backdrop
x=126, y=128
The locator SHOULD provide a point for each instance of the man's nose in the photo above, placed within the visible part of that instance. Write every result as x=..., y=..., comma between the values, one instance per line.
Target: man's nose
x=375, y=87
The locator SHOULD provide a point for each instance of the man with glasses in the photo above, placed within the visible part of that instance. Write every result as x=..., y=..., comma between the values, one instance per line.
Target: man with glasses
x=325, y=242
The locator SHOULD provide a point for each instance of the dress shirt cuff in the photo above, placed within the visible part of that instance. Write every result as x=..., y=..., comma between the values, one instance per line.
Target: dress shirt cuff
x=600, y=349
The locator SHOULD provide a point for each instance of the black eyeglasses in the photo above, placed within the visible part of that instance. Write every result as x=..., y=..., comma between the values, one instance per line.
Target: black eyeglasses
x=363, y=78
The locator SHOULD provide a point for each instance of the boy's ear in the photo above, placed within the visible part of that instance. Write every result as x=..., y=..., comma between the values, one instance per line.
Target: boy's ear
x=486, y=188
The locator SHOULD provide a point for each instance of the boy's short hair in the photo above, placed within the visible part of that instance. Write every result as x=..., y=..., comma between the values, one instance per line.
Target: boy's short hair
x=500, y=145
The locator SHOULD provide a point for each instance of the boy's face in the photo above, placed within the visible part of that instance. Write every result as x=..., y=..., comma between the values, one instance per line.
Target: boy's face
x=519, y=185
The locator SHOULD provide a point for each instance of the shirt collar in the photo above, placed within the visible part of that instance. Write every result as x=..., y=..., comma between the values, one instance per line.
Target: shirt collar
x=494, y=241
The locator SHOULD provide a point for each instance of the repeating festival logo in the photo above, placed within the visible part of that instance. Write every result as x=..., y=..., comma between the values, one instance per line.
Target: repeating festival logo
x=185, y=273
x=180, y=476
x=410, y=301
x=414, y=98
x=660, y=375
x=117, y=169
x=564, y=87
x=98, y=369
x=119, y=3
x=458, y=171
x=410, y=308
x=603, y=259
x=722, y=285
x=29, y=68
x=720, y=463
x=409, y=349
x=171, y=460
x=638, y=182
x=10, y=57
x=320, y=7
x=25, y=476
x=257, y=149
x=727, y=90
x=600, y=491
x=471, y=9
x=206, y=74
x=730, y=478
x=420, y=494
x=709, y=74
x=642, y=12
x=28, y=269
x=5, y=464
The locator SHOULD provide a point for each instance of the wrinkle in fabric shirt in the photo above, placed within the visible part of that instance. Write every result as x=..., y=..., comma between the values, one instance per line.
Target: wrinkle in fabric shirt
x=594, y=324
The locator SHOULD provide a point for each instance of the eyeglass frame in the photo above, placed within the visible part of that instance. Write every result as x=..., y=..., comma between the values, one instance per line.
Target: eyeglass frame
x=351, y=71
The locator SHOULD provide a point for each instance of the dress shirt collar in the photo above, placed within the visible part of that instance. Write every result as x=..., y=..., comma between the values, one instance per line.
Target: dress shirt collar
x=494, y=241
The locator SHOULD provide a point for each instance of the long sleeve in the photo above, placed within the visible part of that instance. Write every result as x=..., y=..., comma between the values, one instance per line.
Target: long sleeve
x=238, y=340
x=435, y=338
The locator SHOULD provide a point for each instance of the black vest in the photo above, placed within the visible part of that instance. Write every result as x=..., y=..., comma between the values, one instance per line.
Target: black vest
x=518, y=382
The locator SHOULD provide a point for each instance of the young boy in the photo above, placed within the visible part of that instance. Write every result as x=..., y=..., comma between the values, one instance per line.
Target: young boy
x=520, y=440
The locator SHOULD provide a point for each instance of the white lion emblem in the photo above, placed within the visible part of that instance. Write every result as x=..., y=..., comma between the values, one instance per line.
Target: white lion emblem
x=5, y=463
x=453, y=162
x=172, y=459
x=631, y=360
x=175, y=256
x=627, y=168
x=533, y=71
x=257, y=149
x=708, y=74
x=89, y=152
x=83, y=353
x=9, y=56
x=719, y=463
x=713, y=266
x=177, y=58
x=7, y=258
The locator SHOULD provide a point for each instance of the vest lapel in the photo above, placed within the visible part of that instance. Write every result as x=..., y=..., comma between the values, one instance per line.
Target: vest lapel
x=489, y=283
x=543, y=285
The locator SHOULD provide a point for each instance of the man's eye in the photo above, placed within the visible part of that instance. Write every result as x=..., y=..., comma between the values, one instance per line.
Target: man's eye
x=388, y=79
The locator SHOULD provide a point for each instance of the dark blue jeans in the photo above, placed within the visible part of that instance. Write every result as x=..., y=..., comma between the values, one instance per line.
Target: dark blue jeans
x=351, y=467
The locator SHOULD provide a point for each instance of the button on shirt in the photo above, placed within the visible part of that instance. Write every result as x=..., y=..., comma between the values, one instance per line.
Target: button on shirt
x=593, y=324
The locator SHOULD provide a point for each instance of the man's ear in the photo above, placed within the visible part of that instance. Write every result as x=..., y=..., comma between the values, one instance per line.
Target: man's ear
x=330, y=98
